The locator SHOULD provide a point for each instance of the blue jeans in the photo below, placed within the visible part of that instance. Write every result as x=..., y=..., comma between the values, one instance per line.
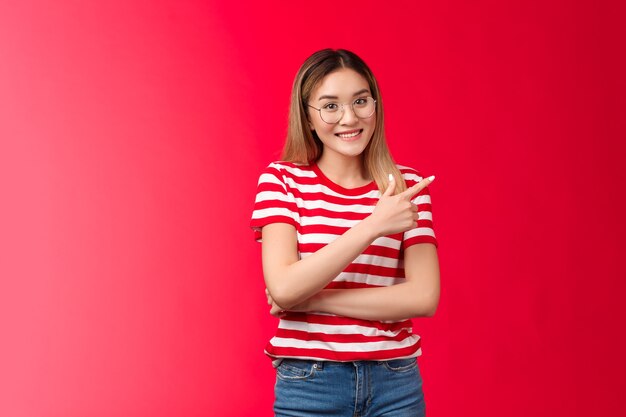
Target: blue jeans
x=352, y=389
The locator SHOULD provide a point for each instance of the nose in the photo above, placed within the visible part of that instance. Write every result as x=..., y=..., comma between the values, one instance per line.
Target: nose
x=348, y=116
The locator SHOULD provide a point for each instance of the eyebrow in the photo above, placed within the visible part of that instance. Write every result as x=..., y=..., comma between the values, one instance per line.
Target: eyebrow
x=358, y=93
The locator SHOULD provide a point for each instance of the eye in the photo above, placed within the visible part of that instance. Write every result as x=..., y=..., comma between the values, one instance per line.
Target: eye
x=330, y=107
x=360, y=102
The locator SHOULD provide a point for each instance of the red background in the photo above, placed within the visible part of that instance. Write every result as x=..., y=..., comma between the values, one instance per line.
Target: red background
x=132, y=134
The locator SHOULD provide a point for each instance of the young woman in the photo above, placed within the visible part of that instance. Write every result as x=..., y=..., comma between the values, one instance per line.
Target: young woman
x=349, y=253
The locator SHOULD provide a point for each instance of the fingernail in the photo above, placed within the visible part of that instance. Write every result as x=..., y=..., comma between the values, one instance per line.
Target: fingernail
x=391, y=177
x=431, y=178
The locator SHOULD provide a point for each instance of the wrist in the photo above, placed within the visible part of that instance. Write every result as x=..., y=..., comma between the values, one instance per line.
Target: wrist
x=370, y=228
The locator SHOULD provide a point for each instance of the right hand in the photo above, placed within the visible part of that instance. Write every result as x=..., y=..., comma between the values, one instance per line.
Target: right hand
x=396, y=213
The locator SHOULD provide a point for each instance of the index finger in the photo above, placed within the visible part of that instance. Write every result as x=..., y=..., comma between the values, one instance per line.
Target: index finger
x=411, y=191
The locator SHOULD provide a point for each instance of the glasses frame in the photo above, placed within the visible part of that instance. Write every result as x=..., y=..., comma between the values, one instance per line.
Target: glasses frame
x=343, y=110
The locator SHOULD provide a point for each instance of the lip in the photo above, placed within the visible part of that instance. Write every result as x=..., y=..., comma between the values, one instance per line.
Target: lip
x=347, y=132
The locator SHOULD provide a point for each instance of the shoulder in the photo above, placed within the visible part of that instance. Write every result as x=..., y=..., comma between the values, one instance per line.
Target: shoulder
x=283, y=169
x=410, y=175
x=288, y=167
x=286, y=173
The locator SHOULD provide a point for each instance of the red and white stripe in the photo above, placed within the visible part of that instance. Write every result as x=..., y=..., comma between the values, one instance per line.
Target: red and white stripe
x=321, y=211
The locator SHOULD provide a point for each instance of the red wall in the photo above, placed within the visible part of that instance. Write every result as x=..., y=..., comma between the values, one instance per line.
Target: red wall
x=131, y=137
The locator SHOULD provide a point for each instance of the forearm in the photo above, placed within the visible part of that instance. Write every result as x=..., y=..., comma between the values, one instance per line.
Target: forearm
x=292, y=283
x=291, y=280
x=397, y=302
x=417, y=296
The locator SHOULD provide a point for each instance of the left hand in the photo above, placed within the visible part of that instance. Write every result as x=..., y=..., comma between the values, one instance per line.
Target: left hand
x=275, y=310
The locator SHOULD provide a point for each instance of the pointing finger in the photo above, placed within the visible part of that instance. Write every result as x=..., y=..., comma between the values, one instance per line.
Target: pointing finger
x=411, y=191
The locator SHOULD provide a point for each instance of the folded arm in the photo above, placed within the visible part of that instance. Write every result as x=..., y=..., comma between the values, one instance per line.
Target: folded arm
x=291, y=280
x=418, y=296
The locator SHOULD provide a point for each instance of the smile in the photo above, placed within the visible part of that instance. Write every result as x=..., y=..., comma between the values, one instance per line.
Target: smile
x=349, y=135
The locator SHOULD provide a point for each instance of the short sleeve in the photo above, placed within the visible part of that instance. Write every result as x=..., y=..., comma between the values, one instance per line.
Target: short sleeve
x=274, y=203
x=424, y=232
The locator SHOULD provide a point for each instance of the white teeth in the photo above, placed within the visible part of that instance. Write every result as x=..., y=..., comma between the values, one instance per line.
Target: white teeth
x=348, y=135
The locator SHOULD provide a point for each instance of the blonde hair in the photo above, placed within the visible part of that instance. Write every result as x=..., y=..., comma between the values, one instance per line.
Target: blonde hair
x=303, y=145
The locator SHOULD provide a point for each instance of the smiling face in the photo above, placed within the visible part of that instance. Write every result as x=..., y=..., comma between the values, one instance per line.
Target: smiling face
x=350, y=135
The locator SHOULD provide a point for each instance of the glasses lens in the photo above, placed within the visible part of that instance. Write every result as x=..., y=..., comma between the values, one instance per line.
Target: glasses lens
x=364, y=107
x=331, y=115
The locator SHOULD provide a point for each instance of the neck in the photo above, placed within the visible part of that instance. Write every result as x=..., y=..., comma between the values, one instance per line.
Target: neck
x=347, y=171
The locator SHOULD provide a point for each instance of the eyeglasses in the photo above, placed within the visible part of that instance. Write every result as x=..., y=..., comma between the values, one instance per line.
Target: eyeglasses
x=332, y=113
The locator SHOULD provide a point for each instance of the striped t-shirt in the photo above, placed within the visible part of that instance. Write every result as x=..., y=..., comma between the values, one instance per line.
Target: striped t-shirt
x=320, y=210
